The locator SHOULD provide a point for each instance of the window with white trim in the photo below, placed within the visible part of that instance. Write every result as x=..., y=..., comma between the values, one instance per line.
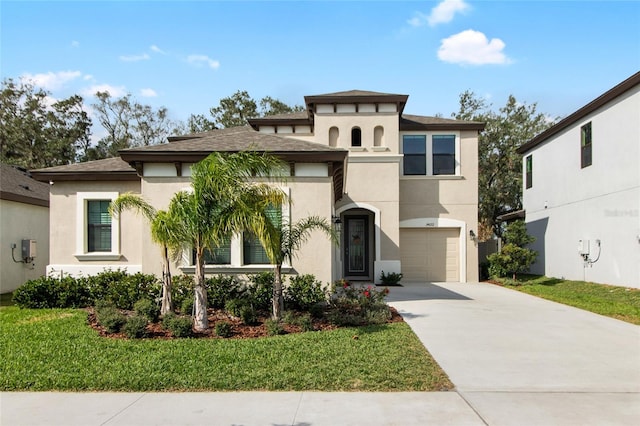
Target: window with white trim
x=97, y=233
x=427, y=154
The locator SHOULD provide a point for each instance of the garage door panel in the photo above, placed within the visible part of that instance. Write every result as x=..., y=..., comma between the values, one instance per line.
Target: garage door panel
x=430, y=254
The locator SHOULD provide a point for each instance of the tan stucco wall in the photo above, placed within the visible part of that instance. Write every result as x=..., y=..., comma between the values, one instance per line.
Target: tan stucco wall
x=448, y=198
x=63, y=208
x=20, y=221
x=367, y=122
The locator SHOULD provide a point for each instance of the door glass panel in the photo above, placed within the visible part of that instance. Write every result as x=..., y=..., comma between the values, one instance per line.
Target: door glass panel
x=357, y=245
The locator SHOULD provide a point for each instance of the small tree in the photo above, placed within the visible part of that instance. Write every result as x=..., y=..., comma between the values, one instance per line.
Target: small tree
x=163, y=231
x=514, y=258
x=286, y=239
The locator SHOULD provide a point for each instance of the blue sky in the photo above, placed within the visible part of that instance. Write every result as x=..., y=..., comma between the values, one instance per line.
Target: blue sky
x=187, y=55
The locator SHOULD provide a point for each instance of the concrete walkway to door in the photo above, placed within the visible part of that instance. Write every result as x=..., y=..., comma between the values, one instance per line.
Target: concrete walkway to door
x=521, y=360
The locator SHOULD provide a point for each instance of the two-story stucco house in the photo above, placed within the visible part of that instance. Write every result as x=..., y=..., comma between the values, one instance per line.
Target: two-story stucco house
x=582, y=191
x=403, y=189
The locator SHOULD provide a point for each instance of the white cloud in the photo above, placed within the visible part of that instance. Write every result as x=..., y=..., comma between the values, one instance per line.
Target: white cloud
x=444, y=12
x=75, y=43
x=472, y=48
x=148, y=93
x=156, y=49
x=199, y=60
x=115, y=91
x=51, y=80
x=135, y=58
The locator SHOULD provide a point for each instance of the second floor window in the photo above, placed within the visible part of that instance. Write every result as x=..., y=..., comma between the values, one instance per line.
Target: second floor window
x=356, y=137
x=529, y=172
x=585, y=145
x=414, y=148
x=444, y=154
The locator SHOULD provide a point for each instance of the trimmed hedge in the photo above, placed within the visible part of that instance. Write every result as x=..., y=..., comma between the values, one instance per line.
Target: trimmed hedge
x=115, y=287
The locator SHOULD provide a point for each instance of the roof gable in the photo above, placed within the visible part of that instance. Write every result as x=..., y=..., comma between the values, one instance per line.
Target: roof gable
x=592, y=106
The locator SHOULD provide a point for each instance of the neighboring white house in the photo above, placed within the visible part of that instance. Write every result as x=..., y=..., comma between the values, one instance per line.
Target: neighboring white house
x=403, y=187
x=582, y=191
x=24, y=219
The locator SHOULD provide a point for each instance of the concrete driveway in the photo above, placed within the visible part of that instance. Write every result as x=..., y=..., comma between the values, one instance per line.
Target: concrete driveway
x=521, y=360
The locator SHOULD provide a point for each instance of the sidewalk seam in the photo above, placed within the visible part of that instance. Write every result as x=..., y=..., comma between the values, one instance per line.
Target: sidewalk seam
x=123, y=409
x=295, y=414
x=472, y=407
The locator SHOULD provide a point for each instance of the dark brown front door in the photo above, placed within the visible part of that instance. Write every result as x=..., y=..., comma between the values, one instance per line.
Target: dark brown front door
x=356, y=246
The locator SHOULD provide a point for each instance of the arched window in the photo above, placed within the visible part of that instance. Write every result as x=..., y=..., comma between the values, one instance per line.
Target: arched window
x=356, y=136
x=378, y=136
x=333, y=136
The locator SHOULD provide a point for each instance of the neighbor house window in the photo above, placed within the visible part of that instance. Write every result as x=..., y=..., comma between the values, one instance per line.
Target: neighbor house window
x=98, y=226
x=356, y=137
x=529, y=171
x=585, y=145
x=444, y=154
x=414, y=148
x=253, y=251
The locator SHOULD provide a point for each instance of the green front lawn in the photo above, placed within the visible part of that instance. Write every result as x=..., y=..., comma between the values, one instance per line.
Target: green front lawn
x=55, y=349
x=617, y=302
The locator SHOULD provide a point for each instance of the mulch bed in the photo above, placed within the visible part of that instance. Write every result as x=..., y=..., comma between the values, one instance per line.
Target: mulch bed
x=239, y=330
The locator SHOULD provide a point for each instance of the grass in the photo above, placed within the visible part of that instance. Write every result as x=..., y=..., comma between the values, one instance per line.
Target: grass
x=617, y=302
x=55, y=349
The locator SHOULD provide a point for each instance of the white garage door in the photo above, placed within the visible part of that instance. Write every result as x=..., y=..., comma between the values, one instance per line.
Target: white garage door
x=430, y=254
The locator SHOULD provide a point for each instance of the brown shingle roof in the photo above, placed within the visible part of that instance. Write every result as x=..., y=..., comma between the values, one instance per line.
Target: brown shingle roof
x=420, y=122
x=17, y=185
x=234, y=139
x=107, y=169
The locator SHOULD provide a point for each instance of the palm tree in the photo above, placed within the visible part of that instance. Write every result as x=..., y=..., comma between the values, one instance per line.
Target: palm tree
x=226, y=199
x=286, y=239
x=163, y=232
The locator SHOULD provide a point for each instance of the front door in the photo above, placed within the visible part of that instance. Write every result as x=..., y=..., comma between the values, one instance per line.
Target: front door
x=356, y=246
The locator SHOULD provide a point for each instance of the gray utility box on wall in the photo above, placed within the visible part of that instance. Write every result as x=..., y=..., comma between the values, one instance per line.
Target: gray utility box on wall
x=28, y=249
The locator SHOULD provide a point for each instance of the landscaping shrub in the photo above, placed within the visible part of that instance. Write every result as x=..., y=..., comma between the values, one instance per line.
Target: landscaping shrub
x=248, y=315
x=181, y=289
x=186, y=308
x=223, y=329
x=123, y=289
x=49, y=292
x=220, y=289
x=148, y=309
x=73, y=293
x=234, y=307
x=40, y=293
x=135, y=327
x=353, y=306
x=179, y=326
x=274, y=327
x=260, y=290
x=111, y=319
x=392, y=278
x=303, y=292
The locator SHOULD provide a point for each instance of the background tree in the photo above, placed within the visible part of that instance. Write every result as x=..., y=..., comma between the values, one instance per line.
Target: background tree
x=37, y=131
x=236, y=109
x=500, y=166
x=164, y=231
x=286, y=239
x=225, y=200
x=128, y=124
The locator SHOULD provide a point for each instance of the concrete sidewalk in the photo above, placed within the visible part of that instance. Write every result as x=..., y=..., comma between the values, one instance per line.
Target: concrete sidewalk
x=521, y=360
x=515, y=360
x=237, y=408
